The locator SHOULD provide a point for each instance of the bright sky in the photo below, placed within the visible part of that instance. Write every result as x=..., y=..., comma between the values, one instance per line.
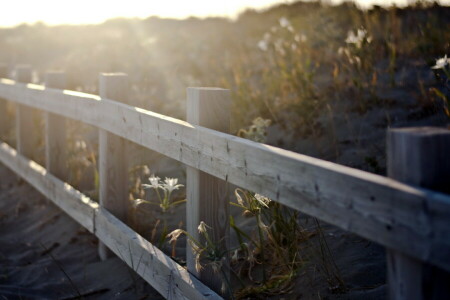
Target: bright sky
x=14, y=12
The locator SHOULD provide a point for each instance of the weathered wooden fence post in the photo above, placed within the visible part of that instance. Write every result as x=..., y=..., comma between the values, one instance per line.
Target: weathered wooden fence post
x=207, y=196
x=113, y=170
x=55, y=132
x=3, y=106
x=420, y=157
x=25, y=129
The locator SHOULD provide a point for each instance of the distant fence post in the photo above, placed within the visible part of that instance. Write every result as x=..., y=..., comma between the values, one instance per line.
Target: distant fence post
x=25, y=129
x=3, y=106
x=207, y=196
x=55, y=132
x=421, y=157
x=113, y=172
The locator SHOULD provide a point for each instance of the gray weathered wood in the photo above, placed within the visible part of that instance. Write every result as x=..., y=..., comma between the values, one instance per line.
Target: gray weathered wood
x=378, y=208
x=207, y=196
x=55, y=132
x=418, y=156
x=25, y=127
x=113, y=170
x=3, y=105
x=71, y=201
x=159, y=270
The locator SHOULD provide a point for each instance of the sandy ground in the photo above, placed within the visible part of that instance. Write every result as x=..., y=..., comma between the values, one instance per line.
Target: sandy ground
x=44, y=254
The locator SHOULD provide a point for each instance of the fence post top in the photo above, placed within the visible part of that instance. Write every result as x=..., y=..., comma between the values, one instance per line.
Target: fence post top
x=207, y=94
x=55, y=79
x=114, y=74
x=23, y=73
x=114, y=86
x=206, y=89
x=420, y=131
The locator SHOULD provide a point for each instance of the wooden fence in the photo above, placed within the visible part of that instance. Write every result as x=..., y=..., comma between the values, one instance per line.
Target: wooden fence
x=412, y=222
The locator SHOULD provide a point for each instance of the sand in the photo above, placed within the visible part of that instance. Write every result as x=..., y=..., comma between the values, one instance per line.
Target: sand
x=44, y=254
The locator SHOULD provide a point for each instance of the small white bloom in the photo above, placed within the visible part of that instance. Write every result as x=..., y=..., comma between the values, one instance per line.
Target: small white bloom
x=174, y=235
x=351, y=38
x=358, y=38
x=80, y=145
x=154, y=183
x=138, y=202
x=300, y=38
x=263, y=45
x=235, y=256
x=284, y=22
x=262, y=200
x=202, y=227
x=170, y=184
x=145, y=170
x=441, y=63
x=361, y=34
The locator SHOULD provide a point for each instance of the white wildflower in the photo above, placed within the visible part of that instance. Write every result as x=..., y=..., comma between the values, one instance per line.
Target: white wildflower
x=145, y=170
x=284, y=22
x=138, y=202
x=174, y=235
x=260, y=122
x=263, y=45
x=235, y=256
x=441, y=63
x=170, y=184
x=154, y=183
x=300, y=38
x=80, y=145
x=358, y=38
x=202, y=227
x=264, y=201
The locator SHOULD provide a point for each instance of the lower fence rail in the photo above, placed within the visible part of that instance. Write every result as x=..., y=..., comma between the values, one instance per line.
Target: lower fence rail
x=169, y=278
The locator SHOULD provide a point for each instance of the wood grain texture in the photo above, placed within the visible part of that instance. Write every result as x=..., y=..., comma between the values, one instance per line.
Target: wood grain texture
x=207, y=196
x=25, y=127
x=3, y=105
x=55, y=132
x=71, y=201
x=420, y=157
x=380, y=209
x=167, y=277
x=113, y=172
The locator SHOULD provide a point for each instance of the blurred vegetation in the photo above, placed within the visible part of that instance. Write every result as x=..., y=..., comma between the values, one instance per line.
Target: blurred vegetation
x=318, y=79
x=292, y=64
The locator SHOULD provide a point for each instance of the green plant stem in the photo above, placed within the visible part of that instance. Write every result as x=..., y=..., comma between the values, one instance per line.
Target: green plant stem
x=228, y=284
x=261, y=246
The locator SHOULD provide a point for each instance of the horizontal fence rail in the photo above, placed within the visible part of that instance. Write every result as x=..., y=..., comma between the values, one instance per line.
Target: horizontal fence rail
x=167, y=277
x=412, y=220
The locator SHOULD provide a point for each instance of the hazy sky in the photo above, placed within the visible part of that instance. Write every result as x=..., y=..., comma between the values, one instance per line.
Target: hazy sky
x=14, y=12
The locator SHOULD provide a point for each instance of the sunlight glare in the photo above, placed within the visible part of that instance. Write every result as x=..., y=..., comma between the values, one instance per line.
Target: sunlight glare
x=87, y=11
